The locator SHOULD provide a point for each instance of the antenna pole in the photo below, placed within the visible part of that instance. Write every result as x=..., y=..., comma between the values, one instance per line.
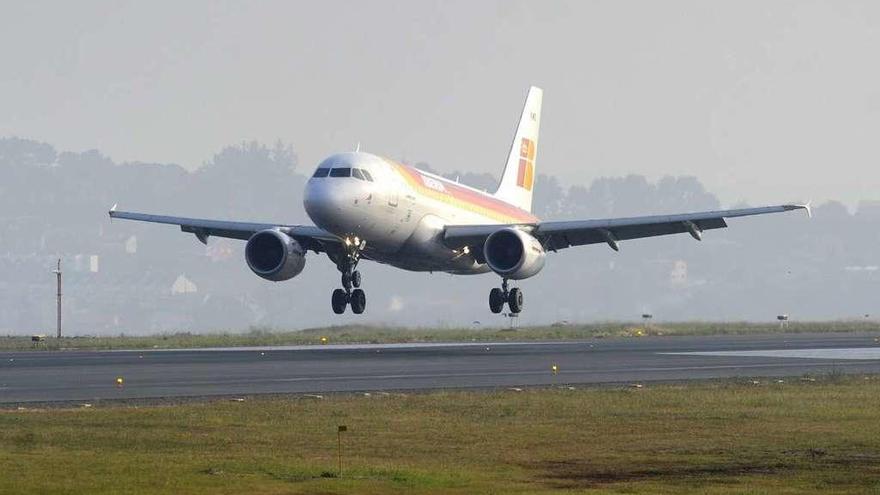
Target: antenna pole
x=58, y=275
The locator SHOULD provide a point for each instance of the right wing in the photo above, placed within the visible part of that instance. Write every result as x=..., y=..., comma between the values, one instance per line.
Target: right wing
x=309, y=236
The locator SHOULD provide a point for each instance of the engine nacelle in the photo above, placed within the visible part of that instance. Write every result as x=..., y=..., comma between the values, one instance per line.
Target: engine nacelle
x=274, y=255
x=513, y=254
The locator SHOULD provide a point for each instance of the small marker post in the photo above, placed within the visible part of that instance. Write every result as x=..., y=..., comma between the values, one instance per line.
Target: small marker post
x=339, y=430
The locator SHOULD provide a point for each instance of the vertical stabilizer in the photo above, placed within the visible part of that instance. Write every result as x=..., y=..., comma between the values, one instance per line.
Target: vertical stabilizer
x=518, y=179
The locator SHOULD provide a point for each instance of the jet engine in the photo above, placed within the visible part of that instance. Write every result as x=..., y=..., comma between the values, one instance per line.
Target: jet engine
x=513, y=254
x=274, y=255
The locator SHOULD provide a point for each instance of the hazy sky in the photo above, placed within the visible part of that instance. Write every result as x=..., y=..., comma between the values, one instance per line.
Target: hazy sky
x=763, y=101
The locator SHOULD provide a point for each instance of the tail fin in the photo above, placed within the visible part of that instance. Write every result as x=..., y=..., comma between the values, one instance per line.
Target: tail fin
x=519, y=174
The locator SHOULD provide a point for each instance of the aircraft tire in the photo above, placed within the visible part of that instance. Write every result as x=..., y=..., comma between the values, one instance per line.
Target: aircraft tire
x=515, y=300
x=358, y=301
x=496, y=300
x=339, y=301
x=356, y=279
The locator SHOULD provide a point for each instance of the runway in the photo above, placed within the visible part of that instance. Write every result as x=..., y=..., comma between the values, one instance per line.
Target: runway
x=42, y=376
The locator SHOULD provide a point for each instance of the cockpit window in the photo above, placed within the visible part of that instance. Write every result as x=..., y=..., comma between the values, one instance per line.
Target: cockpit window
x=357, y=174
x=321, y=172
x=367, y=175
x=340, y=172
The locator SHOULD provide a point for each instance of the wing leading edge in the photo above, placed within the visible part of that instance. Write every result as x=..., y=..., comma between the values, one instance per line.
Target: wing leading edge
x=310, y=237
x=560, y=235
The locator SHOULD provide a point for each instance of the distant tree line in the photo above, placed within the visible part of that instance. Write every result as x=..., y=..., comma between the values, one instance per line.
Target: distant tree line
x=54, y=204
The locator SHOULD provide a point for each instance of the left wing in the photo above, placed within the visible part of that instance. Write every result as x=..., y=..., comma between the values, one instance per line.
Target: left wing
x=311, y=238
x=559, y=235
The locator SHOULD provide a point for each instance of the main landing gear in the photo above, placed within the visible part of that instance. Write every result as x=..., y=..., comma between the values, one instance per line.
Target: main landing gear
x=351, y=293
x=513, y=298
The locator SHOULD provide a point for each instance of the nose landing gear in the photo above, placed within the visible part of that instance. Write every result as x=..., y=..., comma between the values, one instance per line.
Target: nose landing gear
x=351, y=293
x=513, y=298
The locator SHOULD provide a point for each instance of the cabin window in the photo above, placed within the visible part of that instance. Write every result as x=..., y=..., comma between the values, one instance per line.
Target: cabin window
x=340, y=172
x=321, y=172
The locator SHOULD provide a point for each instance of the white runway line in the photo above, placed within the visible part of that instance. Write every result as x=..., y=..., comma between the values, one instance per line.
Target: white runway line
x=854, y=353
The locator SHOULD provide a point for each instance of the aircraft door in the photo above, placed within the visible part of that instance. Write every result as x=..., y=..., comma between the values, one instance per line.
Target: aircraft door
x=393, y=198
x=394, y=194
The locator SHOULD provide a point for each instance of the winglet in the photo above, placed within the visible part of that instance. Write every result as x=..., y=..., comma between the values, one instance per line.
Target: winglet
x=805, y=206
x=112, y=210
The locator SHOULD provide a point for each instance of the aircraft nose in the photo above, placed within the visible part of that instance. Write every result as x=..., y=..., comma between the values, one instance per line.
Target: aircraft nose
x=322, y=204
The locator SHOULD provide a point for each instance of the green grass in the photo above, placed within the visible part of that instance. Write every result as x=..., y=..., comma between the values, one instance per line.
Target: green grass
x=378, y=334
x=718, y=438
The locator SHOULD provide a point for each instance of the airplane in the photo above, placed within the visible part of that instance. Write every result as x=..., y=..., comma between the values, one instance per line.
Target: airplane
x=368, y=207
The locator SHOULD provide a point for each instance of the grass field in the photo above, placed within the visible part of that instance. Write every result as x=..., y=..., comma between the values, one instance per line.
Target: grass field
x=794, y=437
x=376, y=334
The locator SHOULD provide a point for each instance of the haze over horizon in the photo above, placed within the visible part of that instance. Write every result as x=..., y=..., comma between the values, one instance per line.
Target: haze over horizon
x=763, y=102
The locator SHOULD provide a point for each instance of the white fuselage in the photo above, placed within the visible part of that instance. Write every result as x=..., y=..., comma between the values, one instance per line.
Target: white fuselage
x=400, y=211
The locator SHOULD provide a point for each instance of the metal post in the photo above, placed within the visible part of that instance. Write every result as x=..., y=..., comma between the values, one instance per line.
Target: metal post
x=339, y=430
x=57, y=273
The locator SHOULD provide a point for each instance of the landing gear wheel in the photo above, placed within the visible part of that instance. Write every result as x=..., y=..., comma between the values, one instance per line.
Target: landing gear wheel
x=496, y=300
x=346, y=262
x=515, y=300
x=339, y=301
x=358, y=301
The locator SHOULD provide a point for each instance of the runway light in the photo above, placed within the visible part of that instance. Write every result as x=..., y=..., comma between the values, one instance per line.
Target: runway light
x=119, y=381
x=554, y=369
x=323, y=340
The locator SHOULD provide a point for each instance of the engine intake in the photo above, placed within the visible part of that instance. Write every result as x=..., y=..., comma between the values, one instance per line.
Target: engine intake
x=274, y=255
x=513, y=254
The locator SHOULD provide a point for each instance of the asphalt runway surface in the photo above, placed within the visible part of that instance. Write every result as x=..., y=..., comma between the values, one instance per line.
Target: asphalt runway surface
x=43, y=376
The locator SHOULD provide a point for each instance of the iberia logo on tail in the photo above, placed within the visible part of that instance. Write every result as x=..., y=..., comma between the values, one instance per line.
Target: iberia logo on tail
x=526, y=174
